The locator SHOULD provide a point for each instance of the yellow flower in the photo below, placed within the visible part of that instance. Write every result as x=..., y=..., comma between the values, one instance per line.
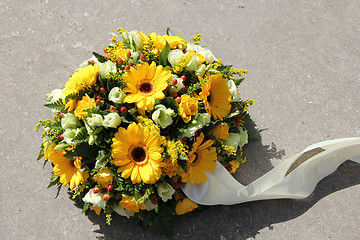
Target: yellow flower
x=48, y=149
x=202, y=157
x=220, y=131
x=85, y=103
x=130, y=204
x=160, y=41
x=104, y=177
x=234, y=165
x=137, y=153
x=169, y=167
x=79, y=81
x=188, y=107
x=96, y=209
x=145, y=85
x=216, y=96
x=185, y=206
x=67, y=169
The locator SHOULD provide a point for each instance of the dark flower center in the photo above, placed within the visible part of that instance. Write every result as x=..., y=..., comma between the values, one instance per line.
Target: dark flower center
x=146, y=87
x=138, y=154
x=209, y=98
x=196, y=160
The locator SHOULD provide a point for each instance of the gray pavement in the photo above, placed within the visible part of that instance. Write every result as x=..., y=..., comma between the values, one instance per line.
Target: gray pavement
x=303, y=59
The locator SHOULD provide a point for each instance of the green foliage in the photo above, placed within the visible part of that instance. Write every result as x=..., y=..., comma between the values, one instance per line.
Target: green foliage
x=53, y=180
x=58, y=105
x=86, y=207
x=168, y=32
x=238, y=81
x=81, y=135
x=99, y=57
x=164, y=55
x=41, y=153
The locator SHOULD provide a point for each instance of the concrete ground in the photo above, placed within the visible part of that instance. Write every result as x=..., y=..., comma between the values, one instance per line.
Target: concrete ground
x=303, y=59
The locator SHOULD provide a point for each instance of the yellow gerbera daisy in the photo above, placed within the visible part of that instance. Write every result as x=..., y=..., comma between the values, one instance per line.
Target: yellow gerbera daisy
x=185, y=206
x=84, y=104
x=80, y=80
x=160, y=41
x=67, y=169
x=137, y=153
x=201, y=158
x=145, y=85
x=216, y=96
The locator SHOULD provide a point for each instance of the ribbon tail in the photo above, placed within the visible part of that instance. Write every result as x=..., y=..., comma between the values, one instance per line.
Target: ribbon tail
x=296, y=177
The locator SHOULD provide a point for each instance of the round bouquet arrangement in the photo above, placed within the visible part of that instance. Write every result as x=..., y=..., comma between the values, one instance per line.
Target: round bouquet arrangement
x=134, y=124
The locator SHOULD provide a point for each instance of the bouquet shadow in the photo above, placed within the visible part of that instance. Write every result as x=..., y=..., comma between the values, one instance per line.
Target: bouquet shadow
x=240, y=221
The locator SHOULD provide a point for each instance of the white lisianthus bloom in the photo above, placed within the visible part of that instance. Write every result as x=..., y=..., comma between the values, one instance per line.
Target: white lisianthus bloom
x=54, y=96
x=236, y=140
x=196, y=124
x=206, y=53
x=111, y=120
x=86, y=63
x=150, y=206
x=96, y=199
x=234, y=90
x=134, y=57
x=116, y=95
x=200, y=70
x=175, y=87
x=165, y=191
x=162, y=116
x=106, y=68
x=95, y=120
x=192, y=65
x=69, y=135
x=122, y=211
x=69, y=121
x=174, y=56
x=135, y=40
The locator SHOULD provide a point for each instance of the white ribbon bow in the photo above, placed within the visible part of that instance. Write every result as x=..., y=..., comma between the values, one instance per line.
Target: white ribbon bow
x=295, y=178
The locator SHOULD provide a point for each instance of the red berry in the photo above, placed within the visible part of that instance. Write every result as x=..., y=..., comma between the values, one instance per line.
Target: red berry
x=226, y=164
x=174, y=81
x=183, y=87
x=131, y=64
x=96, y=190
x=184, y=139
x=128, y=54
x=178, y=99
x=107, y=56
x=137, y=65
x=70, y=146
x=112, y=109
x=62, y=136
x=117, y=196
x=98, y=101
x=142, y=57
x=127, y=67
x=177, y=198
x=154, y=201
x=123, y=109
x=174, y=94
x=102, y=89
x=174, y=180
x=184, y=51
x=239, y=116
x=181, y=196
x=106, y=197
x=98, y=97
x=176, y=185
x=229, y=168
x=105, y=50
x=103, y=190
x=120, y=61
x=184, y=78
x=197, y=132
x=110, y=188
x=92, y=61
x=167, y=88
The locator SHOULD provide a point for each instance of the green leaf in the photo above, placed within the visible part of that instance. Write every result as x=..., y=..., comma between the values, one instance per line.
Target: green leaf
x=81, y=136
x=86, y=207
x=58, y=105
x=61, y=146
x=41, y=153
x=168, y=32
x=164, y=55
x=87, y=152
x=238, y=81
x=233, y=114
x=99, y=57
x=53, y=180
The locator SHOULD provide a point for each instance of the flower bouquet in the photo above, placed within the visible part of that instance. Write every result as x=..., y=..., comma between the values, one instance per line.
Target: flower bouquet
x=134, y=124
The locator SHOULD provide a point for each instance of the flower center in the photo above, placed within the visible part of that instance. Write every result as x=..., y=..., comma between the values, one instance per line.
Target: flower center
x=196, y=159
x=146, y=88
x=138, y=154
x=209, y=98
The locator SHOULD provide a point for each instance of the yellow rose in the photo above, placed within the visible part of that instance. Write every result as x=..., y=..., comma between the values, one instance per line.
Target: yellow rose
x=188, y=107
x=221, y=131
x=130, y=204
x=185, y=206
x=104, y=177
x=85, y=103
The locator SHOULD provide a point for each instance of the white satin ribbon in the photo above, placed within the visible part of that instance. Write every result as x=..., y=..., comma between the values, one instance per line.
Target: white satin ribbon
x=295, y=177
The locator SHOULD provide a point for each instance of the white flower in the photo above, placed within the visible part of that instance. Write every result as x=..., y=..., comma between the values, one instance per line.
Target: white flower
x=69, y=135
x=116, y=95
x=111, y=120
x=236, y=140
x=192, y=65
x=174, y=56
x=96, y=199
x=175, y=87
x=165, y=191
x=234, y=90
x=196, y=124
x=162, y=116
x=95, y=120
x=106, y=68
x=134, y=57
x=135, y=40
x=86, y=63
x=150, y=206
x=54, y=96
x=206, y=53
x=200, y=70
x=122, y=211
x=69, y=121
